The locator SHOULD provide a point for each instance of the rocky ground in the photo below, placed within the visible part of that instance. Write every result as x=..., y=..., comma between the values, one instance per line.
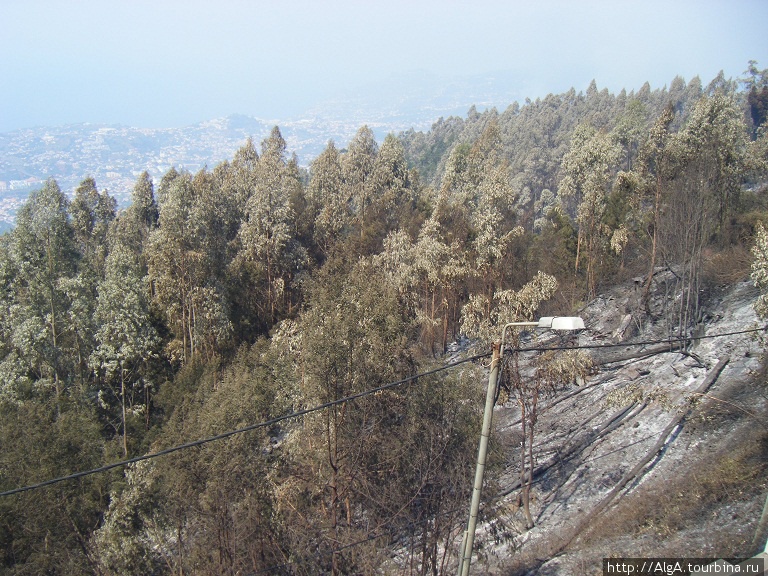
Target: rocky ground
x=701, y=492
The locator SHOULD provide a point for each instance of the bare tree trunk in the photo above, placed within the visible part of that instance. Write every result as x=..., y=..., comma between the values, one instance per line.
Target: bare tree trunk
x=525, y=492
x=54, y=340
x=578, y=250
x=654, y=241
x=122, y=397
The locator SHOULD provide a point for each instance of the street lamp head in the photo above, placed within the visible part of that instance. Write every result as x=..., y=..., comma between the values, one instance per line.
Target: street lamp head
x=561, y=323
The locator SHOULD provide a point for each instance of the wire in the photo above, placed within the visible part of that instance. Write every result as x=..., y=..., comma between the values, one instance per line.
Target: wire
x=641, y=343
x=223, y=435
x=304, y=412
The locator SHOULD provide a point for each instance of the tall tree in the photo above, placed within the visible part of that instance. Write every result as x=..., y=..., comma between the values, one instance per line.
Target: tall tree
x=587, y=171
x=656, y=162
x=92, y=213
x=352, y=337
x=629, y=129
x=267, y=253
x=187, y=258
x=239, y=182
x=328, y=198
x=126, y=339
x=143, y=209
x=393, y=194
x=708, y=158
x=358, y=163
x=45, y=252
x=174, y=265
x=714, y=139
x=429, y=275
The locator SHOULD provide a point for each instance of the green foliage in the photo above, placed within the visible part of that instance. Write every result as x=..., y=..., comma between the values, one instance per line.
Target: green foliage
x=587, y=171
x=126, y=341
x=240, y=294
x=350, y=467
x=47, y=531
x=329, y=206
x=483, y=318
x=208, y=510
x=267, y=254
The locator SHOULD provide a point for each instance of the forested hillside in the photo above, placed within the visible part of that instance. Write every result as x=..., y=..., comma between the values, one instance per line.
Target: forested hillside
x=259, y=294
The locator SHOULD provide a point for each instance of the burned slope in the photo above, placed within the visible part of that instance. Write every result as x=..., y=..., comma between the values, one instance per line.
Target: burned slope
x=663, y=452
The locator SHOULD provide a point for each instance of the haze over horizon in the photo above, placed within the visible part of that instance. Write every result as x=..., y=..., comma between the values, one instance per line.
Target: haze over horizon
x=163, y=64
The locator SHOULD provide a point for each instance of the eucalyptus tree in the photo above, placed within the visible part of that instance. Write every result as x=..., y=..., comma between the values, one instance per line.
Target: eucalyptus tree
x=493, y=220
x=216, y=216
x=174, y=264
x=44, y=254
x=393, y=193
x=587, y=175
x=476, y=207
x=708, y=157
x=357, y=164
x=47, y=531
x=397, y=461
x=656, y=163
x=428, y=274
x=126, y=340
x=352, y=336
x=328, y=199
x=756, y=84
x=629, y=130
x=267, y=253
x=92, y=214
x=143, y=211
x=165, y=184
x=210, y=510
x=15, y=381
x=715, y=140
x=240, y=178
x=187, y=256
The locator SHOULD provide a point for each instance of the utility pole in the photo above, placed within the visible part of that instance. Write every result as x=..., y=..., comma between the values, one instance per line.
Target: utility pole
x=548, y=322
x=469, y=536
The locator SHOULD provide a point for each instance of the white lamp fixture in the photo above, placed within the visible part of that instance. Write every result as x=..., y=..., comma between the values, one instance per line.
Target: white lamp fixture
x=561, y=323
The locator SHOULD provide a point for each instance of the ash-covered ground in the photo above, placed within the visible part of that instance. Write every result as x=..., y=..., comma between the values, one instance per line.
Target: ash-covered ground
x=701, y=494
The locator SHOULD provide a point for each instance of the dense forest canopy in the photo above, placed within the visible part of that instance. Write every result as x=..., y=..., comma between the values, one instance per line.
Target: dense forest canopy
x=258, y=288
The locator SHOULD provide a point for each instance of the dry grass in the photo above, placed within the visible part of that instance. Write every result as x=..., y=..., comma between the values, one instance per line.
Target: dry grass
x=659, y=510
x=728, y=266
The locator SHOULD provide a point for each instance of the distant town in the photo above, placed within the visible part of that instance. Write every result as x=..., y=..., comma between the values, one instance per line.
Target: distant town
x=116, y=155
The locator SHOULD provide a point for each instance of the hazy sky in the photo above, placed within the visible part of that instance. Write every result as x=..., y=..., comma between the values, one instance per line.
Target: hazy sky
x=162, y=63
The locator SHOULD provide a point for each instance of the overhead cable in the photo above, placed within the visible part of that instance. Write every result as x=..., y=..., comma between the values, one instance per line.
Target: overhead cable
x=223, y=435
x=351, y=398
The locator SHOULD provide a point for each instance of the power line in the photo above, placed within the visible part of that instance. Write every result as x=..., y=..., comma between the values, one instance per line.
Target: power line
x=330, y=404
x=672, y=340
x=223, y=435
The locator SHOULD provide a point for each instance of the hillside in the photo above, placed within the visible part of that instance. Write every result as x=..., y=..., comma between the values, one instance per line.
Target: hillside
x=700, y=495
x=257, y=367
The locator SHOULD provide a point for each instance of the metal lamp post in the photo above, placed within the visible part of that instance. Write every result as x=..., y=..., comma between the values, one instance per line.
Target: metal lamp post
x=548, y=322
